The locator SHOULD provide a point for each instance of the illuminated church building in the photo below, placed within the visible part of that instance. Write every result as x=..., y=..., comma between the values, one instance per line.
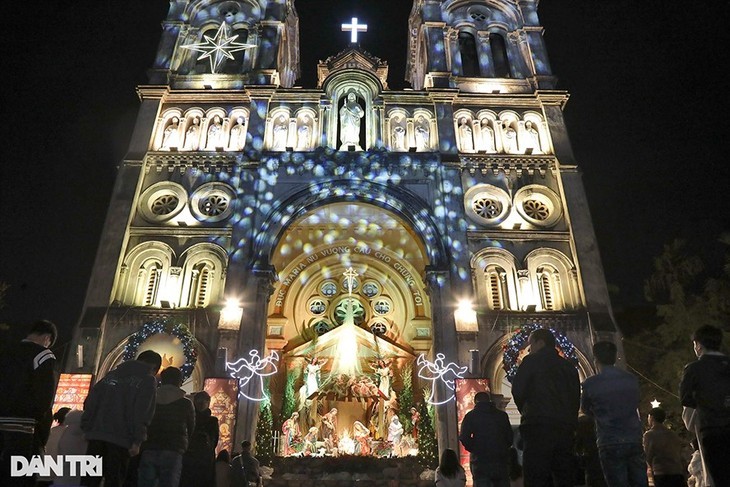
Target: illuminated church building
x=366, y=227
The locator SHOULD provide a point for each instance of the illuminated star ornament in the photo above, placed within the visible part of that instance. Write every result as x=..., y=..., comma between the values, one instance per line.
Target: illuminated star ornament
x=254, y=369
x=655, y=404
x=438, y=371
x=219, y=48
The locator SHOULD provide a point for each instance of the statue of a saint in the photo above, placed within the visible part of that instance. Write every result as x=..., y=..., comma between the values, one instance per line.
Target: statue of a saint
x=171, y=135
x=310, y=441
x=361, y=434
x=509, y=138
x=423, y=136
x=487, y=136
x=192, y=135
x=311, y=376
x=281, y=130
x=329, y=427
x=399, y=137
x=350, y=115
x=532, y=138
x=304, y=134
x=238, y=135
x=215, y=131
x=466, y=137
x=395, y=433
x=384, y=373
x=415, y=419
x=292, y=433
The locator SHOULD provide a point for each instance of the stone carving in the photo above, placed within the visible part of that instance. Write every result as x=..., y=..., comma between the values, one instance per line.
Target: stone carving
x=466, y=136
x=423, y=135
x=215, y=133
x=281, y=131
x=532, y=138
x=398, y=136
x=192, y=135
x=487, y=135
x=350, y=115
x=304, y=133
x=171, y=135
x=238, y=135
x=509, y=138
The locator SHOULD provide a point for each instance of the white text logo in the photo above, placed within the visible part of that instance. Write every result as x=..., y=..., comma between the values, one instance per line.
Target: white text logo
x=58, y=465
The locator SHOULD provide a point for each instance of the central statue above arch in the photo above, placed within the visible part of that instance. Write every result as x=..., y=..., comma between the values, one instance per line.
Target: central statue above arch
x=350, y=115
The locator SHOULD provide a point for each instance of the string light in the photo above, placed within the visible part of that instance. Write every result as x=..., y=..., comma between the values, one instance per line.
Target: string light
x=179, y=331
x=437, y=371
x=518, y=341
x=256, y=368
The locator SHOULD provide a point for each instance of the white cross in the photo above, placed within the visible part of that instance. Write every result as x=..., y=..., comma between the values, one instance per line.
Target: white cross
x=354, y=28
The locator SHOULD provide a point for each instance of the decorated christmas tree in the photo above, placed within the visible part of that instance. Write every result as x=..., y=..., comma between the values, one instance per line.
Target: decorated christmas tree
x=406, y=397
x=264, y=439
x=428, y=451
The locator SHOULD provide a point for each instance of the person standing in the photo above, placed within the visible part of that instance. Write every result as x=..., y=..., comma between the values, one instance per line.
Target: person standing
x=449, y=473
x=72, y=442
x=116, y=414
x=487, y=436
x=245, y=469
x=168, y=434
x=612, y=398
x=705, y=386
x=199, y=459
x=223, y=469
x=663, y=449
x=546, y=390
x=28, y=384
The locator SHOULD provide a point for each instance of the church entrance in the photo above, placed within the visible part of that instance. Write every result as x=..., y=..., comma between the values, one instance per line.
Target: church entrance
x=349, y=316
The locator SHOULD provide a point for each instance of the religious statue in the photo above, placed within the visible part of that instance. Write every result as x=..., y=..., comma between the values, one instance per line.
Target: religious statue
x=281, y=131
x=532, y=137
x=509, y=138
x=192, y=135
x=171, y=135
x=384, y=373
x=466, y=137
x=292, y=434
x=423, y=137
x=215, y=132
x=415, y=419
x=350, y=115
x=238, y=135
x=391, y=406
x=487, y=136
x=304, y=134
x=329, y=427
x=310, y=441
x=395, y=433
x=311, y=376
x=362, y=438
x=399, y=137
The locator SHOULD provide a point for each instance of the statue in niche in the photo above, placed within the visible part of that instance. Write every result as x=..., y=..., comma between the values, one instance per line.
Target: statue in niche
x=350, y=115
x=171, y=135
x=192, y=135
x=487, y=134
x=281, y=131
x=509, y=138
x=466, y=137
x=532, y=137
x=399, y=136
x=423, y=136
x=238, y=135
x=304, y=134
x=215, y=131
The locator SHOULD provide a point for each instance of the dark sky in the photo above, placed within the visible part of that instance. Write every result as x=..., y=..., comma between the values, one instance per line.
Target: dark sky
x=645, y=117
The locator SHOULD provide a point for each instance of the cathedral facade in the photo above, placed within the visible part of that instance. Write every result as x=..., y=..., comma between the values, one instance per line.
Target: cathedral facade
x=252, y=218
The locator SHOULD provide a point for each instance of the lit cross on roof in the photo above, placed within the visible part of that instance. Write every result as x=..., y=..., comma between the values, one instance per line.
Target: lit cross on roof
x=354, y=28
x=350, y=276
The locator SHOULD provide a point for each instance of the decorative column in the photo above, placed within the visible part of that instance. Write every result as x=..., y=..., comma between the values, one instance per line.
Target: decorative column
x=484, y=50
x=438, y=284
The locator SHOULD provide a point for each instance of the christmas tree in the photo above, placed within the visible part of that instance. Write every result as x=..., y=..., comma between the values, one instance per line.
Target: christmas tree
x=289, y=403
x=264, y=439
x=428, y=450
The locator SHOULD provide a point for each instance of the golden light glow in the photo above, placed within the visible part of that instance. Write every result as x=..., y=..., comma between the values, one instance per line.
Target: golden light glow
x=231, y=315
x=465, y=316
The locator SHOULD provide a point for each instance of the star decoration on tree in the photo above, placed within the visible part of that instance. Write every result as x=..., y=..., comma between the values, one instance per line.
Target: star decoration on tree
x=218, y=48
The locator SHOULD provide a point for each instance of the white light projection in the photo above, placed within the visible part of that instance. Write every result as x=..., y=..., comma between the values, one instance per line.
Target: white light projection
x=437, y=371
x=219, y=48
x=254, y=369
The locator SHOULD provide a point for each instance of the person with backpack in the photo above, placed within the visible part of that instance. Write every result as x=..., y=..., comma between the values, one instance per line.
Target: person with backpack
x=705, y=386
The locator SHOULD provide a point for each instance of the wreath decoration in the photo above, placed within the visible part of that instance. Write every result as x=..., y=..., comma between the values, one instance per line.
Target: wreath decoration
x=179, y=331
x=518, y=341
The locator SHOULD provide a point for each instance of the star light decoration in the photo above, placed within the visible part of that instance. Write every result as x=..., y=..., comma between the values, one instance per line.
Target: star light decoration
x=218, y=48
x=254, y=369
x=437, y=371
x=655, y=404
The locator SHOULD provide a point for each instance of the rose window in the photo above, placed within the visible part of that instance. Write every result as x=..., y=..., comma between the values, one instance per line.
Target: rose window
x=317, y=306
x=487, y=208
x=165, y=204
x=378, y=328
x=357, y=310
x=381, y=307
x=370, y=289
x=537, y=210
x=321, y=327
x=328, y=289
x=214, y=205
x=352, y=281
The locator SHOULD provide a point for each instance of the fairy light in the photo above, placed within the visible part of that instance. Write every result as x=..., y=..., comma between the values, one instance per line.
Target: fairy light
x=518, y=341
x=253, y=369
x=438, y=370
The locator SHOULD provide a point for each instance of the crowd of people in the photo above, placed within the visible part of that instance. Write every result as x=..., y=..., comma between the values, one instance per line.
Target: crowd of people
x=151, y=432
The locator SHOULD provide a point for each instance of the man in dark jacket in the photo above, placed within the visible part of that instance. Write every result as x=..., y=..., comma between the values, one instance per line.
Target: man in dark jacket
x=705, y=387
x=487, y=436
x=546, y=390
x=199, y=460
x=168, y=435
x=116, y=414
x=27, y=387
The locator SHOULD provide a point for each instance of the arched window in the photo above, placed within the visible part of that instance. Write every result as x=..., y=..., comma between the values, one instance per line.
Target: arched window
x=549, y=285
x=235, y=65
x=469, y=58
x=148, y=283
x=499, y=55
x=497, y=293
x=201, y=283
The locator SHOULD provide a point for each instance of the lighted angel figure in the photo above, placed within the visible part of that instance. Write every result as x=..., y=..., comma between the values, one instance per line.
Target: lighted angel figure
x=254, y=369
x=383, y=371
x=311, y=375
x=438, y=371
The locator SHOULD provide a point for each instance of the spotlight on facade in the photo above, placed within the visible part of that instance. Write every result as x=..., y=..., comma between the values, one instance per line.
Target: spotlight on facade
x=231, y=314
x=465, y=316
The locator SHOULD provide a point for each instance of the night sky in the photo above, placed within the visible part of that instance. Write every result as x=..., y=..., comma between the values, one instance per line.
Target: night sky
x=645, y=118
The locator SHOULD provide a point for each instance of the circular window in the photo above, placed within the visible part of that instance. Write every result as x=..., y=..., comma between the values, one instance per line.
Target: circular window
x=538, y=205
x=371, y=289
x=486, y=204
x=317, y=306
x=162, y=201
x=328, y=288
x=379, y=328
x=349, y=305
x=382, y=307
x=321, y=327
x=212, y=202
